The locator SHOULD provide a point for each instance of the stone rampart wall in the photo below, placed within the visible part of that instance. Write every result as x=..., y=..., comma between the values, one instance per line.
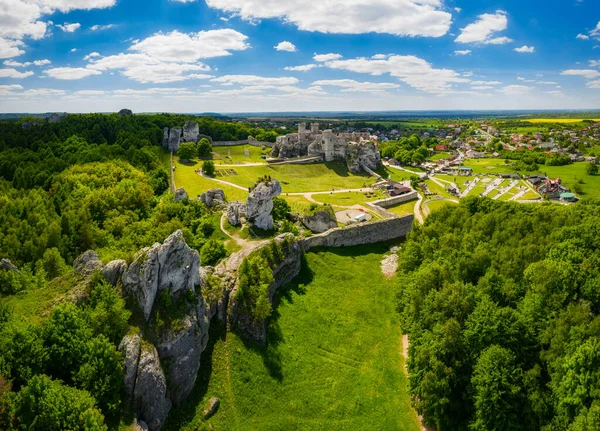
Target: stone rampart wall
x=242, y=142
x=366, y=233
x=390, y=202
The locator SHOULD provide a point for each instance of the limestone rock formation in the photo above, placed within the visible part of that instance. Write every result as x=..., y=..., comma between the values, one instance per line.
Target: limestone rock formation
x=171, y=265
x=362, y=154
x=56, y=117
x=7, y=265
x=125, y=113
x=87, y=263
x=180, y=349
x=165, y=142
x=140, y=425
x=235, y=211
x=321, y=221
x=130, y=346
x=191, y=131
x=180, y=194
x=213, y=198
x=174, y=139
x=289, y=149
x=114, y=270
x=150, y=391
x=247, y=325
x=260, y=204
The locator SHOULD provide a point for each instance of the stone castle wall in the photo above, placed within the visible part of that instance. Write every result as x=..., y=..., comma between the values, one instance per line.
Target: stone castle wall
x=252, y=142
x=367, y=233
x=395, y=200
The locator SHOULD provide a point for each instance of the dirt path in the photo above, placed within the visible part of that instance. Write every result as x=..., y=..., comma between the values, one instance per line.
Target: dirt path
x=405, y=345
x=417, y=210
x=243, y=243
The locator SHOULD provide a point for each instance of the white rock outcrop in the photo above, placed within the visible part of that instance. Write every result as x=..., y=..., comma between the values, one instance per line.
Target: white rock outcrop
x=191, y=131
x=180, y=194
x=171, y=265
x=235, y=211
x=113, y=271
x=259, y=204
x=359, y=154
x=174, y=139
x=321, y=221
x=213, y=198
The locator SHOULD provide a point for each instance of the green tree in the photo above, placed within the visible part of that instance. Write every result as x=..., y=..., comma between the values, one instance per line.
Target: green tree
x=108, y=314
x=204, y=148
x=498, y=395
x=102, y=375
x=208, y=167
x=591, y=168
x=212, y=251
x=48, y=405
x=53, y=263
x=187, y=151
x=281, y=209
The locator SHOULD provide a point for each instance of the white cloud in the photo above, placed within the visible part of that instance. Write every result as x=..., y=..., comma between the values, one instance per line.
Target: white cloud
x=593, y=84
x=13, y=63
x=397, y=17
x=546, y=82
x=412, y=70
x=189, y=47
x=482, y=87
x=525, y=49
x=485, y=83
x=595, y=33
x=594, y=63
x=586, y=73
x=482, y=30
x=380, y=56
x=516, y=90
x=170, y=57
x=255, y=80
x=457, y=9
x=69, y=28
x=285, y=46
x=91, y=55
x=98, y=27
x=327, y=57
x=13, y=73
x=70, y=73
x=352, y=86
x=10, y=48
x=499, y=40
x=555, y=93
x=467, y=74
x=582, y=36
x=90, y=93
x=302, y=68
x=462, y=52
x=73, y=50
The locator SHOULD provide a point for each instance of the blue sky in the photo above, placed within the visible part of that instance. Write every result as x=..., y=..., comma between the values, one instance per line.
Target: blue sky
x=298, y=55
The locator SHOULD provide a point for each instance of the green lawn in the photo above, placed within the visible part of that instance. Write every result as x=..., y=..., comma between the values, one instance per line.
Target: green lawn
x=301, y=178
x=489, y=166
x=437, y=204
x=350, y=198
x=437, y=189
x=333, y=363
x=440, y=156
x=235, y=154
x=403, y=209
x=572, y=175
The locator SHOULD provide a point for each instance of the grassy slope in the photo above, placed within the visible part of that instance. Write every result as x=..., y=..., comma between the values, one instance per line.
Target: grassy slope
x=235, y=154
x=403, y=209
x=334, y=361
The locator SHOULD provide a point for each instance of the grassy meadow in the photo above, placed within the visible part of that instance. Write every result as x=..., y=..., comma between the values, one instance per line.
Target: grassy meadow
x=333, y=360
x=403, y=209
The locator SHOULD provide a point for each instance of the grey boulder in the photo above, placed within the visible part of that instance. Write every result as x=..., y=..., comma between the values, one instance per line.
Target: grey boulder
x=235, y=211
x=87, y=263
x=259, y=204
x=113, y=271
x=321, y=221
x=213, y=198
x=180, y=194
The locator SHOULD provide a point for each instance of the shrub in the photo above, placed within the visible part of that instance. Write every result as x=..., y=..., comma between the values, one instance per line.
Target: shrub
x=591, y=168
x=281, y=209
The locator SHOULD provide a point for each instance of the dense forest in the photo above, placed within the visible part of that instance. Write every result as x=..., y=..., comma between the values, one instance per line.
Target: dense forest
x=501, y=302
x=86, y=182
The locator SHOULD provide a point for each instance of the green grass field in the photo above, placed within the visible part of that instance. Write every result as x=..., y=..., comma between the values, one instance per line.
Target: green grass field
x=235, y=154
x=437, y=204
x=350, y=198
x=403, y=209
x=575, y=174
x=333, y=363
x=440, y=156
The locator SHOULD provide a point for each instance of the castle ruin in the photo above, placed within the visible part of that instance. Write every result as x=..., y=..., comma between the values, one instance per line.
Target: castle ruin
x=356, y=148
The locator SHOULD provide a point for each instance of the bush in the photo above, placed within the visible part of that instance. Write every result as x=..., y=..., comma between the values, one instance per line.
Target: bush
x=591, y=168
x=108, y=314
x=53, y=263
x=208, y=167
x=281, y=209
x=212, y=252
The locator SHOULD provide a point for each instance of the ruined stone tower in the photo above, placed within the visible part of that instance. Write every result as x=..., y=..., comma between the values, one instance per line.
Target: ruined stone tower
x=314, y=128
x=328, y=145
x=301, y=128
